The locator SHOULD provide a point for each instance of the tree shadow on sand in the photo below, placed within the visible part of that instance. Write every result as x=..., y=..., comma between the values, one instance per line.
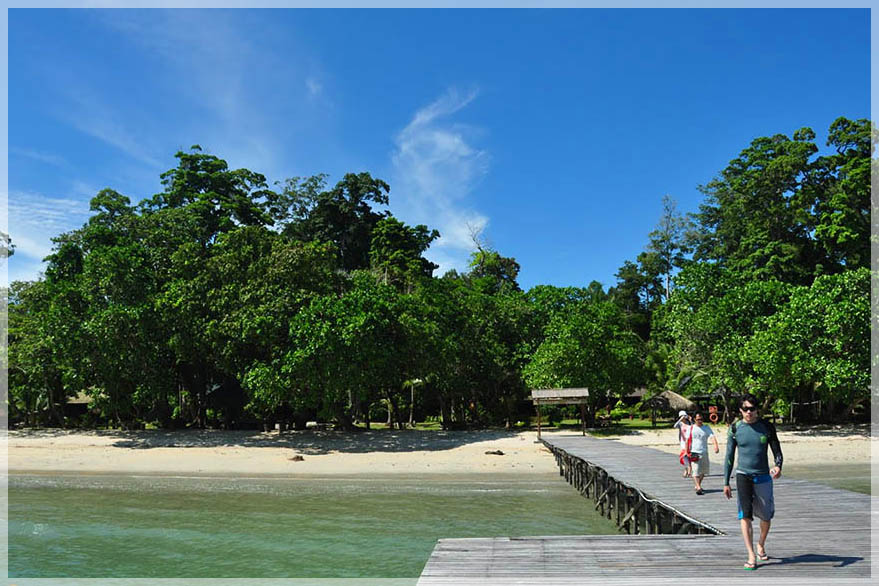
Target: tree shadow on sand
x=829, y=431
x=307, y=442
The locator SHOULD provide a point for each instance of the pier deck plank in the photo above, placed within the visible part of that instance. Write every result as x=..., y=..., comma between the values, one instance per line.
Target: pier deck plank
x=819, y=533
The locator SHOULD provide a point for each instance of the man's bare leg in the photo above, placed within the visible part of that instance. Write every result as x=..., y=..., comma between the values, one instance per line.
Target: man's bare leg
x=749, y=540
x=764, y=531
x=698, y=480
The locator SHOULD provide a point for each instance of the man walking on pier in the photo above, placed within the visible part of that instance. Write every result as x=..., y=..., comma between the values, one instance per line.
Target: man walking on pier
x=752, y=436
x=699, y=434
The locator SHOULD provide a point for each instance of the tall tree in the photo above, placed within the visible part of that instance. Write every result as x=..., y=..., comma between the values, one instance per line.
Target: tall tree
x=753, y=221
x=218, y=198
x=838, y=195
x=343, y=215
x=668, y=241
x=396, y=251
x=492, y=272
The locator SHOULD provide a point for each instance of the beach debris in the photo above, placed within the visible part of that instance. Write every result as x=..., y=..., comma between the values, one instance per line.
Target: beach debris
x=494, y=453
x=296, y=458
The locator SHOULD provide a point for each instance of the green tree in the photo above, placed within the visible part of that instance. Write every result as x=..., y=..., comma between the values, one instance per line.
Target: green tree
x=216, y=197
x=668, y=242
x=753, y=220
x=492, y=272
x=838, y=195
x=342, y=215
x=589, y=348
x=817, y=345
x=709, y=320
x=396, y=252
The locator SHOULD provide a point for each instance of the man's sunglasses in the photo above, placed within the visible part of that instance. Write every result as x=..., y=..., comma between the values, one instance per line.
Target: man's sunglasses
x=748, y=408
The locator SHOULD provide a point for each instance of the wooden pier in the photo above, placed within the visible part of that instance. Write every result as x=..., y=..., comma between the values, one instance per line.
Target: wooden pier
x=819, y=534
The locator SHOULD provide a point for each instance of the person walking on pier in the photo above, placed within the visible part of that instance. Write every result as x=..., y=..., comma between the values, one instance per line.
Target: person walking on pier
x=699, y=434
x=752, y=436
x=683, y=425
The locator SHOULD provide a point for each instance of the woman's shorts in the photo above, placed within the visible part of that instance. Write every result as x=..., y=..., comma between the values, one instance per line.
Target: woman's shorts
x=701, y=467
x=754, y=495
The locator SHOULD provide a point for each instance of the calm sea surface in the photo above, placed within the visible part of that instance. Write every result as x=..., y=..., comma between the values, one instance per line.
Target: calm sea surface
x=854, y=477
x=381, y=526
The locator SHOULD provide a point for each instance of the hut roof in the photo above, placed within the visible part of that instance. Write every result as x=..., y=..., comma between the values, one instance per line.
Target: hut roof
x=672, y=400
x=637, y=393
x=81, y=398
x=560, y=396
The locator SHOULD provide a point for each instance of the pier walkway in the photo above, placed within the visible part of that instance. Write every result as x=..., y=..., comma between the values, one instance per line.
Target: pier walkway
x=819, y=534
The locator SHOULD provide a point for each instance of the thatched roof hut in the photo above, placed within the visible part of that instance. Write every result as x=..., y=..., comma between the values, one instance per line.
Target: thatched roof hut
x=670, y=401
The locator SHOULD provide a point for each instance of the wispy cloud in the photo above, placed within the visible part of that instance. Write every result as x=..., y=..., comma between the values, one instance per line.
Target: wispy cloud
x=436, y=168
x=42, y=157
x=92, y=113
x=232, y=79
x=34, y=218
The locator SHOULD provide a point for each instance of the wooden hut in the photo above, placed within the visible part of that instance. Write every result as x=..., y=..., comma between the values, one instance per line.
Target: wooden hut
x=668, y=402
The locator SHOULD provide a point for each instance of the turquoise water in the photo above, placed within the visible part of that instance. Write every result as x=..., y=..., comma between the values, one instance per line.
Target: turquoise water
x=854, y=477
x=198, y=527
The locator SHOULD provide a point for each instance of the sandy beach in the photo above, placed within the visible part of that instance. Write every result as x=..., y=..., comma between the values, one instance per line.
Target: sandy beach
x=217, y=452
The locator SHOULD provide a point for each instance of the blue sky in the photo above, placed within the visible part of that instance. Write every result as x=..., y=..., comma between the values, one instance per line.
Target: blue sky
x=555, y=131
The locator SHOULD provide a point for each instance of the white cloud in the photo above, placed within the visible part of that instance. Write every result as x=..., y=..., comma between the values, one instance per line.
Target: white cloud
x=85, y=110
x=35, y=218
x=237, y=82
x=435, y=169
x=42, y=157
x=33, y=249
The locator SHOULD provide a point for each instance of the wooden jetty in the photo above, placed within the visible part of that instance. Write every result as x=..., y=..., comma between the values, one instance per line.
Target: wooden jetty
x=668, y=533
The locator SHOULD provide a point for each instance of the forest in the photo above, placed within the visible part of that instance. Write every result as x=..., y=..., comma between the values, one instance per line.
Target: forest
x=223, y=301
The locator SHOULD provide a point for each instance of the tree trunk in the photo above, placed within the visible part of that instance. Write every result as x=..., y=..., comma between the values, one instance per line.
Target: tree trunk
x=724, y=394
x=55, y=388
x=393, y=413
x=343, y=417
x=445, y=413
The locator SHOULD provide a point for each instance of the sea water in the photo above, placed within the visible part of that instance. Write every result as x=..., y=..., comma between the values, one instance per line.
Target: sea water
x=256, y=527
x=847, y=476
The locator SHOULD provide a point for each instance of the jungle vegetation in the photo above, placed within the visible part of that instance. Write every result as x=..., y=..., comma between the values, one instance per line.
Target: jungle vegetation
x=222, y=301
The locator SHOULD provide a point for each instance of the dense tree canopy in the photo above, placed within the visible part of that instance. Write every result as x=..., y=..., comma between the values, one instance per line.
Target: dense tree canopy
x=221, y=302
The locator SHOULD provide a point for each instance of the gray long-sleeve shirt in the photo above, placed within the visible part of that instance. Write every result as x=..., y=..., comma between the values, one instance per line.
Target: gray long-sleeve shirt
x=752, y=441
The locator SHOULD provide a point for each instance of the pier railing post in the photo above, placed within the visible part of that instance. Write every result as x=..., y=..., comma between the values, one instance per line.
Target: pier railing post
x=632, y=511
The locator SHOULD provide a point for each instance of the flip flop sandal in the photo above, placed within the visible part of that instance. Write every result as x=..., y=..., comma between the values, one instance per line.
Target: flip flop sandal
x=763, y=556
x=750, y=566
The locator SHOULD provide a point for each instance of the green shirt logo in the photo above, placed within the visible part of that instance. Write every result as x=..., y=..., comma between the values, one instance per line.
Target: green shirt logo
x=763, y=439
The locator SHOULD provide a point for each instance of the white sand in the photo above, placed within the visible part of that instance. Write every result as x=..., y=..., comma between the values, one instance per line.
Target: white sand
x=375, y=452
x=817, y=445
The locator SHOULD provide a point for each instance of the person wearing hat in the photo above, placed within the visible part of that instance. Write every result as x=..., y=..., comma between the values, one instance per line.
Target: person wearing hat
x=683, y=425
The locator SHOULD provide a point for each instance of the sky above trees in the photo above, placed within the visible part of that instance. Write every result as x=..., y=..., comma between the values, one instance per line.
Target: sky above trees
x=556, y=132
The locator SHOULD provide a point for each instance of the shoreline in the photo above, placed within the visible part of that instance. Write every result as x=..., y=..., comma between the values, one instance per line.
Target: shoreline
x=217, y=453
